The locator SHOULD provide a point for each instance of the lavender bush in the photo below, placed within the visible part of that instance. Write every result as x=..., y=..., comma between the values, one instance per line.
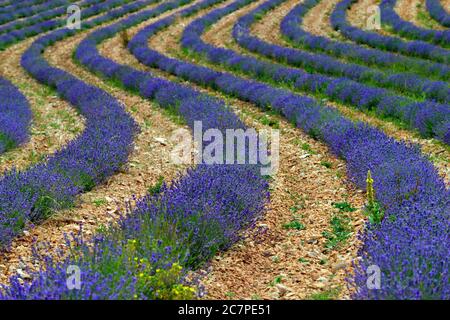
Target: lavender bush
x=409, y=30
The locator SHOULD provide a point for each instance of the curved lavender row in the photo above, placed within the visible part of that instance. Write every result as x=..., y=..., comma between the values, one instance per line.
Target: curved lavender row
x=99, y=152
x=438, y=12
x=405, y=83
x=291, y=27
x=93, y=7
x=411, y=245
x=420, y=49
x=409, y=30
x=210, y=205
x=14, y=14
x=45, y=15
x=15, y=116
x=430, y=119
x=14, y=5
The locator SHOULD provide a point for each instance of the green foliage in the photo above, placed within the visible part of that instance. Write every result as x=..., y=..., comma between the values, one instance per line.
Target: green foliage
x=323, y=262
x=101, y=229
x=369, y=188
x=299, y=203
x=269, y=121
x=329, y=294
x=45, y=204
x=19, y=221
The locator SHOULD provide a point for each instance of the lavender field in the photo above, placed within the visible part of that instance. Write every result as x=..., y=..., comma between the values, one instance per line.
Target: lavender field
x=225, y=150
